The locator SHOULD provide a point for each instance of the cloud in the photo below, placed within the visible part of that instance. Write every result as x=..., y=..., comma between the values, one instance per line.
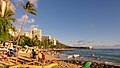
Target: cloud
x=21, y=0
x=31, y=21
x=20, y=20
x=32, y=26
x=81, y=41
x=90, y=41
x=33, y=1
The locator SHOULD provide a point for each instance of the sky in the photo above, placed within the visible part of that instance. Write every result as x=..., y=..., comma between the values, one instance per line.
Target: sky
x=95, y=22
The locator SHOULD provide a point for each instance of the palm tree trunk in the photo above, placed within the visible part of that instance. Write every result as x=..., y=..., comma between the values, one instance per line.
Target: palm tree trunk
x=23, y=22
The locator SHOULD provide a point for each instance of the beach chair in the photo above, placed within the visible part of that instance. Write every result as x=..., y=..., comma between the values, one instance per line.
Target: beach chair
x=87, y=65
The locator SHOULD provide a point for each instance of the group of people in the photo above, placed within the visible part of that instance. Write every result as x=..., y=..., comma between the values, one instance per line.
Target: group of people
x=35, y=53
x=38, y=55
x=8, y=51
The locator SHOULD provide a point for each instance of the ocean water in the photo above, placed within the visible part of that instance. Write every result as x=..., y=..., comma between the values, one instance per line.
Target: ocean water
x=112, y=55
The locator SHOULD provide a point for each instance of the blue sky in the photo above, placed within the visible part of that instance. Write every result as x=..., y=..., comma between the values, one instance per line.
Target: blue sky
x=72, y=20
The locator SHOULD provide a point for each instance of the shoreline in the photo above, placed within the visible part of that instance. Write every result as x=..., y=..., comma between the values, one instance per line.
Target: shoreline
x=99, y=62
x=63, y=61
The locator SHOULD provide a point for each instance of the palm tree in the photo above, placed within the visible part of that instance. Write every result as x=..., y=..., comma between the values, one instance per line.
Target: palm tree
x=8, y=13
x=29, y=8
x=9, y=18
x=6, y=19
x=5, y=25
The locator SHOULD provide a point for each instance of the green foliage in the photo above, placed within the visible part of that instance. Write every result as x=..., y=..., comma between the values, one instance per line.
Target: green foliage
x=30, y=8
x=25, y=41
x=8, y=15
x=46, y=43
x=4, y=27
x=35, y=41
x=28, y=41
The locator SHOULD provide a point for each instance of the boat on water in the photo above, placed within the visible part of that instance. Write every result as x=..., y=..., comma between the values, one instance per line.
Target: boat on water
x=73, y=56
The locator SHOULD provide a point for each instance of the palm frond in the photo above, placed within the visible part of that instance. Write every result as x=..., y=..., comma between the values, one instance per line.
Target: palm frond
x=13, y=27
x=33, y=13
x=33, y=10
x=13, y=19
x=9, y=13
x=30, y=8
x=27, y=4
x=24, y=7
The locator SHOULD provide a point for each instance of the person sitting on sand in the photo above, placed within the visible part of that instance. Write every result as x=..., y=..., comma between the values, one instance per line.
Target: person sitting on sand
x=15, y=52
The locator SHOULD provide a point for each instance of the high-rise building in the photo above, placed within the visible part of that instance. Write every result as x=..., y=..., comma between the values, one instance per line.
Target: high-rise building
x=27, y=34
x=37, y=32
x=49, y=38
x=54, y=41
x=46, y=38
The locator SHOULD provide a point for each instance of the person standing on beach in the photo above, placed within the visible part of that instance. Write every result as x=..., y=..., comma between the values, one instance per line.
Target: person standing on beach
x=43, y=57
x=36, y=54
x=73, y=56
x=39, y=56
x=33, y=54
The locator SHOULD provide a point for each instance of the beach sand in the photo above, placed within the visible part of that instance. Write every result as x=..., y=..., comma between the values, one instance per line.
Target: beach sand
x=61, y=64
x=68, y=63
x=51, y=57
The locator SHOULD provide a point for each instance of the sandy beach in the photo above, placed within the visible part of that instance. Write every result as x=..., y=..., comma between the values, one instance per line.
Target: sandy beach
x=61, y=60
x=75, y=63
x=61, y=64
